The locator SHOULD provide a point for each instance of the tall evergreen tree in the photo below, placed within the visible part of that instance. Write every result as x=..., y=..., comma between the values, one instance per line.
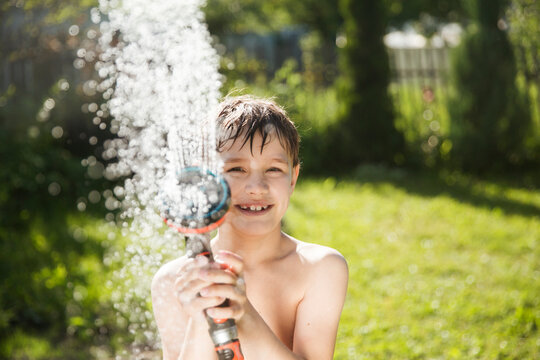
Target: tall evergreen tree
x=366, y=125
x=490, y=118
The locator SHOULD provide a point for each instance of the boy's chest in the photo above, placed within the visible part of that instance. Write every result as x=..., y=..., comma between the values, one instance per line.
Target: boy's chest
x=275, y=294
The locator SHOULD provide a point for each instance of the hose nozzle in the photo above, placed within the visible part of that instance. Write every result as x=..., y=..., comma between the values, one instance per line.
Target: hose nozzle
x=200, y=204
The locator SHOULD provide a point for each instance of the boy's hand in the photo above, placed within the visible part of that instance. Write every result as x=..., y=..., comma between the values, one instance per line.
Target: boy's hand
x=204, y=286
x=227, y=282
x=189, y=284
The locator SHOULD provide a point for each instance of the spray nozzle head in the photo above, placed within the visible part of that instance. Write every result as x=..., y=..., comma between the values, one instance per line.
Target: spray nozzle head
x=199, y=203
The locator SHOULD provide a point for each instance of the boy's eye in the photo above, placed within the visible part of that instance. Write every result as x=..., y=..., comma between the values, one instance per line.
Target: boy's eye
x=275, y=169
x=235, y=169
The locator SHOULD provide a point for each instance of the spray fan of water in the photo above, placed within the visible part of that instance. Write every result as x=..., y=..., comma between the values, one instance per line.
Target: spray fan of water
x=160, y=82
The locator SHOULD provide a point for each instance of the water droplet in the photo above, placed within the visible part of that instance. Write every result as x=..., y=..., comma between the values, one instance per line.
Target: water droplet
x=94, y=196
x=341, y=41
x=81, y=206
x=433, y=141
x=54, y=189
x=57, y=132
x=73, y=30
x=49, y=104
x=93, y=107
x=428, y=114
x=63, y=84
x=79, y=64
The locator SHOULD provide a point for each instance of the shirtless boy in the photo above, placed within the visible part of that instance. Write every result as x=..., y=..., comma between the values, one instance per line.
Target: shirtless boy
x=285, y=295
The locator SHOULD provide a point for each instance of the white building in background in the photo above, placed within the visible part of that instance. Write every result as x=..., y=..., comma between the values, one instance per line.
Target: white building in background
x=419, y=60
x=449, y=35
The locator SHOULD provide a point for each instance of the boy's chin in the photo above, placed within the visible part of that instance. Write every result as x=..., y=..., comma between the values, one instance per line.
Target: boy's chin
x=253, y=228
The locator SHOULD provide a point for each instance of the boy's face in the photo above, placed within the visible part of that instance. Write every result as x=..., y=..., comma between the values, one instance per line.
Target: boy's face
x=261, y=185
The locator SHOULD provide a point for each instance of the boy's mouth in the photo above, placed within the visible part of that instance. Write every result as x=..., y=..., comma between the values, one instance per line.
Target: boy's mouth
x=253, y=209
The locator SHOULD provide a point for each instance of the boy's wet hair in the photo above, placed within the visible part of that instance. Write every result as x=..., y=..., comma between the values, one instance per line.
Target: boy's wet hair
x=242, y=117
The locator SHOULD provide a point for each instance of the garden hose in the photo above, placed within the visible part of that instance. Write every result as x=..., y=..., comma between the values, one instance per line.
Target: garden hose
x=206, y=205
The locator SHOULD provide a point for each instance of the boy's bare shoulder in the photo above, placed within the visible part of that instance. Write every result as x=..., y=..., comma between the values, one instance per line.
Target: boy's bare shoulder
x=319, y=255
x=325, y=270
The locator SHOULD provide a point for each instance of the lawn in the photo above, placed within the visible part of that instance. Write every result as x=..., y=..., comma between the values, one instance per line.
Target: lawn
x=441, y=266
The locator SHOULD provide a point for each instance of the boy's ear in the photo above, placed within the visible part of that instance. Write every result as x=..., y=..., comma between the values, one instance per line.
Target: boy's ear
x=294, y=177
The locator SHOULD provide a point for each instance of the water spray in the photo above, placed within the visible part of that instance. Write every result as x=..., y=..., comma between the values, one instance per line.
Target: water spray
x=200, y=205
x=160, y=81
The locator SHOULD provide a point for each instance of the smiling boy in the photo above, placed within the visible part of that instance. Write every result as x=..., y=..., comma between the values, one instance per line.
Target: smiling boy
x=285, y=295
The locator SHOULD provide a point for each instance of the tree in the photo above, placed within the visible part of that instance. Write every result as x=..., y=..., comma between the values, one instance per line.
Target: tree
x=524, y=30
x=366, y=126
x=402, y=11
x=490, y=118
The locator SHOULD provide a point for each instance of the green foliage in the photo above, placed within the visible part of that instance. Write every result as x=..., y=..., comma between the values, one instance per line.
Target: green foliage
x=313, y=109
x=46, y=260
x=42, y=256
x=402, y=11
x=490, y=117
x=441, y=266
x=524, y=32
x=321, y=16
x=366, y=130
x=232, y=16
x=239, y=70
x=422, y=117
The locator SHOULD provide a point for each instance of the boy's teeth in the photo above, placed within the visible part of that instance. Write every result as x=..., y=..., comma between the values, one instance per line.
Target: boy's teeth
x=253, y=207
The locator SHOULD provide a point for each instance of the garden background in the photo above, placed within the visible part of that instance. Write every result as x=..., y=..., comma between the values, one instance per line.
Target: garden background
x=420, y=151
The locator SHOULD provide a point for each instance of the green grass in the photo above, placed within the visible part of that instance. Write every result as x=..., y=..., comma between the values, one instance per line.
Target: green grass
x=441, y=267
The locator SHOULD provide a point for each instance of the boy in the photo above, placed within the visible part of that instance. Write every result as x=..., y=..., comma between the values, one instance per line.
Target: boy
x=285, y=295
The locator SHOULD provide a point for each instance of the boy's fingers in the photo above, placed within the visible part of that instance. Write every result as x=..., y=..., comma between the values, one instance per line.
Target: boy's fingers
x=207, y=302
x=187, y=291
x=226, y=291
x=185, y=278
x=192, y=269
x=200, y=304
x=217, y=275
x=231, y=312
x=230, y=261
x=190, y=264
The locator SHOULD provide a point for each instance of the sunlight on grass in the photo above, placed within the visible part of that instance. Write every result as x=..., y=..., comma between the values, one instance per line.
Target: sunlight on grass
x=437, y=271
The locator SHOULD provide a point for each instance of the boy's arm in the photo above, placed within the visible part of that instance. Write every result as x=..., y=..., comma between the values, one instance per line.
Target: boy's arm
x=316, y=320
x=167, y=313
x=180, y=335
x=317, y=317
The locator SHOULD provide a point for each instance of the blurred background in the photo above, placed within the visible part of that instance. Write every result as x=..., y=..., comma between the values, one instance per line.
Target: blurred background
x=420, y=151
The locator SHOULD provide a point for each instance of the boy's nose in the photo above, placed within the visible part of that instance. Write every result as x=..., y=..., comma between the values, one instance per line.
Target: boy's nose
x=256, y=184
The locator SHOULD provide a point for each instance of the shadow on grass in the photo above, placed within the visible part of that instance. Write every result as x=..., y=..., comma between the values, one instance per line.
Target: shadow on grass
x=482, y=193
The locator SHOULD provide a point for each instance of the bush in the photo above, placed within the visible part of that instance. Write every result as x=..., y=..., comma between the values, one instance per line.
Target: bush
x=42, y=254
